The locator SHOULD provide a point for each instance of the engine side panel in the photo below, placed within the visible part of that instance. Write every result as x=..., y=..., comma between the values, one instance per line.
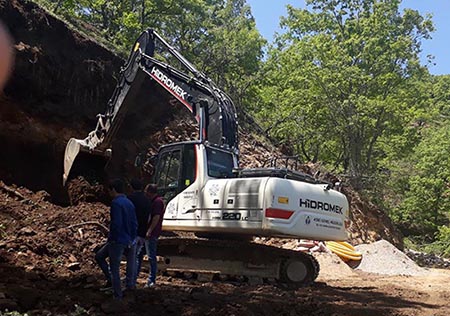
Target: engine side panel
x=317, y=213
x=241, y=206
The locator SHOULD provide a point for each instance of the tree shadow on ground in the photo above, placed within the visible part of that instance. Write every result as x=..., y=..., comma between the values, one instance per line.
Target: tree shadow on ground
x=38, y=294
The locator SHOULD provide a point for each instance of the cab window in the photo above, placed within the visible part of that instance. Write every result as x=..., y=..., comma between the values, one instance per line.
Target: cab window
x=169, y=170
x=220, y=163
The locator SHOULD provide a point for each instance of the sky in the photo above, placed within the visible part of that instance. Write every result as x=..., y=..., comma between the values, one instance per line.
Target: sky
x=267, y=14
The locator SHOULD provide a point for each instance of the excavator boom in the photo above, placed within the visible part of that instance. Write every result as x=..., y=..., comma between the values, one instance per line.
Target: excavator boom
x=212, y=108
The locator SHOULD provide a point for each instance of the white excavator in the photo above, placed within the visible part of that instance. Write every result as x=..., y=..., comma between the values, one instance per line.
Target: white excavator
x=205, y=190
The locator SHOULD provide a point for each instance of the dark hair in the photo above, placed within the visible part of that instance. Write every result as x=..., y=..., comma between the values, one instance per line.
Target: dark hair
x=152, y=188
x=136, y=184
x=118, y=185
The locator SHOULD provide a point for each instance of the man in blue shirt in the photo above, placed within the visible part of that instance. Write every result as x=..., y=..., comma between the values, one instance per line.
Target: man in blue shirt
x=122, y=236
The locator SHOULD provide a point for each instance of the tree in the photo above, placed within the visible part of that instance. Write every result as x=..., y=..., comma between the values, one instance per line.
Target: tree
x=336, y=82
x=422, y=180
x=427, y=198
x=218, y=36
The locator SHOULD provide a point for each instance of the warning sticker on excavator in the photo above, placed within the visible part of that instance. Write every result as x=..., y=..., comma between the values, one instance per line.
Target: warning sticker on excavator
x=283, y=200
x=136, y=47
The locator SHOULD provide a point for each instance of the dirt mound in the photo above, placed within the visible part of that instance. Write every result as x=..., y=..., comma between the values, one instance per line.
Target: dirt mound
x=332, y=267
x=48, y=239
x=383, y=258
x=369, y=223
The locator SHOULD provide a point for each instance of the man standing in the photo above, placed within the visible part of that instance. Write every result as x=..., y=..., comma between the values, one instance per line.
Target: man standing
x=122, y=236
x=142, y=208
x=154, y=230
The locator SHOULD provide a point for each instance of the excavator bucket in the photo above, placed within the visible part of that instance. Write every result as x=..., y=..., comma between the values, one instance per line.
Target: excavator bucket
x=70, y=154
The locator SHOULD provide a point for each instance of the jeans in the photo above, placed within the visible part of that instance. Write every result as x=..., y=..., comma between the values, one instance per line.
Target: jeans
x=150, y=245
x=114, y=251
x=140, y=252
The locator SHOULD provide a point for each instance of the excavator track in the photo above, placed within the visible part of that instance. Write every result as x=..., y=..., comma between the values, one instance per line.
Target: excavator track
x=237, y=259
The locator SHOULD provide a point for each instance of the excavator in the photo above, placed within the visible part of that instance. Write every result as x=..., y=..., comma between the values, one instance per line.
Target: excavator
x=206, y=192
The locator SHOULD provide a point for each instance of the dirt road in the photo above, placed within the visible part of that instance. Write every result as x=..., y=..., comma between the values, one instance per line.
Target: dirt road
x=356, y=294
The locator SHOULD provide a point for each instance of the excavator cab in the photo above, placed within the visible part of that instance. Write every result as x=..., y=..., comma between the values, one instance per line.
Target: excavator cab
x=179, y=165
x=175, y=169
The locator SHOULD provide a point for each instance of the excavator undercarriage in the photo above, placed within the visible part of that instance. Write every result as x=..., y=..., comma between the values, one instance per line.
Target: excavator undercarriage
x=256, y=262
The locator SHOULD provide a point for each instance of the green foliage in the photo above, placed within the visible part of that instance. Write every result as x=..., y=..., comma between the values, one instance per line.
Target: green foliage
x=443, y=238
x=338, y=82
x=218, y=36
x=440, y=245
x=422, y=179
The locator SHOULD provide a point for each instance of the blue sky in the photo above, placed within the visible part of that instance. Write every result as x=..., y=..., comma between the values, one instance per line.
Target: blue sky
x=267, y=15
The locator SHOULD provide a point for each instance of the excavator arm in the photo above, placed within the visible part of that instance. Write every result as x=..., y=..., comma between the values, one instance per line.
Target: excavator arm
x=136, y=91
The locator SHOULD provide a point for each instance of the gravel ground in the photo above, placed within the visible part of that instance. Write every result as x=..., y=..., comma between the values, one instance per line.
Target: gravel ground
x=383, y=258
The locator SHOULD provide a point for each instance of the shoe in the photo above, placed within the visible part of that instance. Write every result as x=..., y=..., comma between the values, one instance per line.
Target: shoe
x=149, y=284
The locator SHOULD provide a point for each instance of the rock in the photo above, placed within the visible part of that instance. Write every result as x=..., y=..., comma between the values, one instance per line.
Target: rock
x=43, y=196
x=74, y=266
x=72, y=258
x=27, y=231
x=428, y=260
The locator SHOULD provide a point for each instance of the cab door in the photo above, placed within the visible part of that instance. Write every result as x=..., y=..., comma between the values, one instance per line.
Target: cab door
x=175, y=170
x=168, y=172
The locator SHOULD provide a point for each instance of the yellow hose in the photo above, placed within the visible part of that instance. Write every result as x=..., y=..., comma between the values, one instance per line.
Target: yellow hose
x=344, y=250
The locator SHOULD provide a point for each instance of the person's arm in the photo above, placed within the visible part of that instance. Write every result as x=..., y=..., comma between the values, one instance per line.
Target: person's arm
x=153, y=223
x=116, y=222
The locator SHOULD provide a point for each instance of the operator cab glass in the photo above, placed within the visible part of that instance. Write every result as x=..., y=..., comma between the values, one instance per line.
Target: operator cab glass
x=175, y=169
x=220, y=163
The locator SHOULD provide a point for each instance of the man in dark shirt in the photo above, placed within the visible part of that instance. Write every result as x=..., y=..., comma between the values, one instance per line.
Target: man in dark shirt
x=122, y=235
x=142, y=208
x=153, y=230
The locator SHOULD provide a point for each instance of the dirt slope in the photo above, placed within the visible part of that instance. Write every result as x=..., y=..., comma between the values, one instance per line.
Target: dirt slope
x=60, y=82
